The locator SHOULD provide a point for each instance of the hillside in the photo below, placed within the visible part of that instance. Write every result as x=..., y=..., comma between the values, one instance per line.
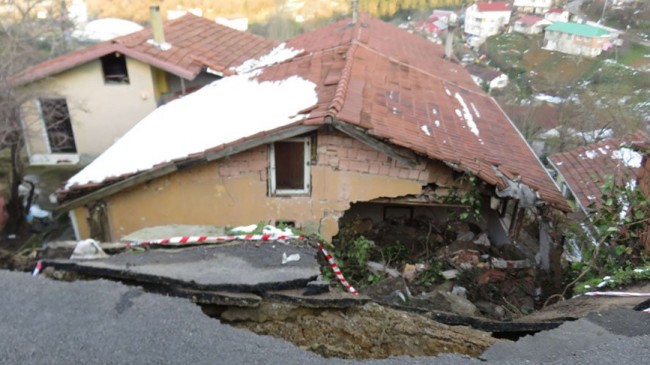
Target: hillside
x=611, y=91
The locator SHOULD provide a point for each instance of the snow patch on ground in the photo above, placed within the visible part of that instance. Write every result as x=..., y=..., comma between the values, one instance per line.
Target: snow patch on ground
x=222, y=112
x=549, y=98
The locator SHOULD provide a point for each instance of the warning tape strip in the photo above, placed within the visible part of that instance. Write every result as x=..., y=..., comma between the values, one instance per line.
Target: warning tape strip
x=615, y=294
x=38, y=268
x=184, y=240
x=337, y=271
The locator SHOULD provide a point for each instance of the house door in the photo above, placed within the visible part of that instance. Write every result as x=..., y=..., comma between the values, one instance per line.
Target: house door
x=98, y=221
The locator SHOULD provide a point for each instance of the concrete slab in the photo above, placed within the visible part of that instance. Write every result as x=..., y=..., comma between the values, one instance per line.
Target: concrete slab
x=173, y=230
x=235, y=267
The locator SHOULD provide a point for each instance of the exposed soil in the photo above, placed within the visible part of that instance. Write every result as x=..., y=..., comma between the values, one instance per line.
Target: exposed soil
x=369, y=331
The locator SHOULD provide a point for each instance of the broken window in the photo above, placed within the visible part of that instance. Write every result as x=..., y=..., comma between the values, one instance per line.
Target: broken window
x=289, y=167
x=114, y=68
x=58, y=126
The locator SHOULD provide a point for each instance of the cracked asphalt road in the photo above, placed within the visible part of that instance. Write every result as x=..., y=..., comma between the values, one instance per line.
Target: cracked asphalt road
x=102, y=322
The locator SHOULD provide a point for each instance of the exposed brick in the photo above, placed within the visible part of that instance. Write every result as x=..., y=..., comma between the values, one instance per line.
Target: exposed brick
x=359, y=166
x=384, y=170
x=344, y=165
x=352, y=153
x=374, y=168
x=333, y=161
x=414, y=174
x=394, y=171
x=404, y=173
x=424, y=175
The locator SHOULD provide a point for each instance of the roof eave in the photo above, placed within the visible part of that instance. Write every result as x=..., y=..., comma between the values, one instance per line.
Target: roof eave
x=167, y=168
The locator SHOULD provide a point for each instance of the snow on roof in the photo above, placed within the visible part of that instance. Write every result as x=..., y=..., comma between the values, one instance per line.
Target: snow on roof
x=278, y=54
x=466, y=114
x=222, y=112
x=106, y=29
x=628, y=156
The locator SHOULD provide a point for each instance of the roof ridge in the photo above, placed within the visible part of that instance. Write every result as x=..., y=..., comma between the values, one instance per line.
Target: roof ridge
x=346, y=73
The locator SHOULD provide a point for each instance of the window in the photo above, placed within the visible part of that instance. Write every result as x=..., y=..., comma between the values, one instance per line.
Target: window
x=289, y=167
x=58, y=126
x=114, y=68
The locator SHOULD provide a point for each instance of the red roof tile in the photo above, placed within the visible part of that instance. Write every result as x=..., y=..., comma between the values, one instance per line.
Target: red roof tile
x=195, y=43
x=586, y=168
x=494, y=6
x=396, y=85
x=529, y=20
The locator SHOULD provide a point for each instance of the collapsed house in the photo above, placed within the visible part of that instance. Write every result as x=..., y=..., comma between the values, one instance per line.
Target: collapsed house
x=356, y=118
x=583, y=171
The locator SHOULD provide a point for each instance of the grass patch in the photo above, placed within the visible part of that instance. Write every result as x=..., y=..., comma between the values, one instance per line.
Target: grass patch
x=636, y=53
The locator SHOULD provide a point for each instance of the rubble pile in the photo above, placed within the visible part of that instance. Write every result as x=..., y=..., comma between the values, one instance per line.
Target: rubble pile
x=447, y=266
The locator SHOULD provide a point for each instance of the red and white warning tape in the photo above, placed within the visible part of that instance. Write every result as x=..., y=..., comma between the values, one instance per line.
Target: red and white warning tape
x=337, y=271
x=38, y=268
x=615, y=294
x=183, y=240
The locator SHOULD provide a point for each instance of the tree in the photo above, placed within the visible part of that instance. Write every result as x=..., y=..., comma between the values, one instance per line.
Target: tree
x=30, y=31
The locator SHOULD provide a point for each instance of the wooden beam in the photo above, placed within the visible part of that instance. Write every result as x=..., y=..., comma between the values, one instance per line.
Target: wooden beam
x=408, y=158
x=114, y=188
x=398, y=201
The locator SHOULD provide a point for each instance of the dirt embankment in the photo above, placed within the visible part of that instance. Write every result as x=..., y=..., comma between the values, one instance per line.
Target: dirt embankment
x=369, y=331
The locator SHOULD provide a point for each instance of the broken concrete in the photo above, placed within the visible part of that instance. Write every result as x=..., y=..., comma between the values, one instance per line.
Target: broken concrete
x=238, y=267
x=173, y=230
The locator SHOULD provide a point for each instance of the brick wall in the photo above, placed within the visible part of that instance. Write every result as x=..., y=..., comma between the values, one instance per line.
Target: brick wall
x=255, y=160
x=344, y=153
x=335, y=150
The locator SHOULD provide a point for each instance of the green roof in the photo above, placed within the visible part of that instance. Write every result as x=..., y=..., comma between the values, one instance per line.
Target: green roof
x=578, y=29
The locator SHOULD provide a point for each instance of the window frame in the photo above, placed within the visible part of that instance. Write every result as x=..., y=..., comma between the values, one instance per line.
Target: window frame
x=115, y=79
x=50, y=126
x=306, y=190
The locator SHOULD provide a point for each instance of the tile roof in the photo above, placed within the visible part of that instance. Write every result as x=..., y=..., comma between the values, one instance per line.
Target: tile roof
x=196, y=43
x=399, y=88
x=585, y=169
x=529, y=19
x=494, y=6
x=486, y=73
x=578, y=29
x=397, y=85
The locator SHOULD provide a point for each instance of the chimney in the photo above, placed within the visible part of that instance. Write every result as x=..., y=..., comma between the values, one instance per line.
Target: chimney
x=449, y=41
x=355, y=11
x=156, y=25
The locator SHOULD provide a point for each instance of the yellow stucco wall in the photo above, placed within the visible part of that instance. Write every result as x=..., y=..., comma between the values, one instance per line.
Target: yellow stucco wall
x=100, y=113
x=233, y=191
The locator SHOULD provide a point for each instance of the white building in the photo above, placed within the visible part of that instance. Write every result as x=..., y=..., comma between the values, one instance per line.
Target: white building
x=557, y=15
x=486, y=19
x=533, y=6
